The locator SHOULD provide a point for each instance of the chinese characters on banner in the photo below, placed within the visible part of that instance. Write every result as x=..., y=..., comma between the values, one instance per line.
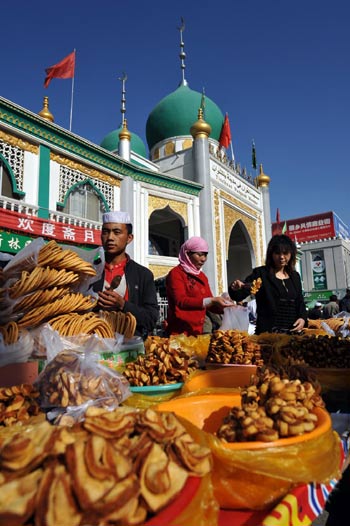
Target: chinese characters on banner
x=310, y=228
x=35, y=226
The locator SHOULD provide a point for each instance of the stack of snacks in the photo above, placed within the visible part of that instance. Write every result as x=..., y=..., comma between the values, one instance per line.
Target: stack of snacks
x=48, y=288
x=160, y=365
x=273, y=408
x=18, y=404
x=233, y=347
x=117, y=467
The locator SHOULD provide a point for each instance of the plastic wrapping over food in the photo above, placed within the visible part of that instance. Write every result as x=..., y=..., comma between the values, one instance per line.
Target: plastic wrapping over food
x=17, y=351
x=76, y=378
x=48, y=343
x=41, y=275
x=236, y=317
x=27, y=259
x=196, y=346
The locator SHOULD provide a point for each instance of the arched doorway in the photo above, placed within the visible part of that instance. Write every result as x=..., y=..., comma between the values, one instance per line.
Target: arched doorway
x=167, y=232
x=241, y=258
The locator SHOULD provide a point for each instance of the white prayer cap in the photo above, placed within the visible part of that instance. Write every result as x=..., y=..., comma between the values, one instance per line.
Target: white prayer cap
x=116, y=217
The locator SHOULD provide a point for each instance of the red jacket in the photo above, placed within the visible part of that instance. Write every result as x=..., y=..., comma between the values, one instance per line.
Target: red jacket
x=185, y=294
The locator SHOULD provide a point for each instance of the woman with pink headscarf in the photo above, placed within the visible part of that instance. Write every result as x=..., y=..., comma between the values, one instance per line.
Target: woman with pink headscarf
x=188, y=291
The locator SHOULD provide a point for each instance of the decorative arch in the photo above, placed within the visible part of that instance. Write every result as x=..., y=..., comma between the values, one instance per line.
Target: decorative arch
x=11, y=187
x=241, y=257
x=167, y=232
x=80, y=204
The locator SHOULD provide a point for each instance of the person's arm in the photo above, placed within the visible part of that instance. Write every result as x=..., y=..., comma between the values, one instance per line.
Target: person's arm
x=301, y=321
x=237, y=290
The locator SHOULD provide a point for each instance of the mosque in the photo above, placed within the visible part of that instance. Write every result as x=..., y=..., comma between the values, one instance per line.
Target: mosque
x=56, y=185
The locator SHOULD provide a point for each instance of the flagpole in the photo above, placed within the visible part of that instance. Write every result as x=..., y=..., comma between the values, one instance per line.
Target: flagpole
x=71, y=99
x=232, y=156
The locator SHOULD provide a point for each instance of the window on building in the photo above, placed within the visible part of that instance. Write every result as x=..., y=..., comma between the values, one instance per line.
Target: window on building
x=5, y=181
x=83, y=201
x=166, y=233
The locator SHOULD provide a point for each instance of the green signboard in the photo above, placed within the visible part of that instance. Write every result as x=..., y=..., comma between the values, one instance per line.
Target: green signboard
x=12, y=243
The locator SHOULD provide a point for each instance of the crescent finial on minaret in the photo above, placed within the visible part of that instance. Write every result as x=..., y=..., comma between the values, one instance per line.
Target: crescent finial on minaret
x=182, y=53
x=123, y=80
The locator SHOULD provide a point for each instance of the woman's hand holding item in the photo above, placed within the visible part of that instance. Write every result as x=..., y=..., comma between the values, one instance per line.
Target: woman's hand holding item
x=298, y=325
x=219, y=301
x=237, y=284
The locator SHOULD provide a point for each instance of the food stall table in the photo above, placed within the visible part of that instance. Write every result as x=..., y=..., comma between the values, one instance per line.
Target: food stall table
x=298, y=508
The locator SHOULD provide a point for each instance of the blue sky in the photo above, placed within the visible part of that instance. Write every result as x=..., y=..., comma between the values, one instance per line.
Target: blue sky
x=280, y=68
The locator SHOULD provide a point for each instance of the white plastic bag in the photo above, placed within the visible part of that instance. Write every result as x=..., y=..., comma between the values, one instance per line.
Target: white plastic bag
x=236, y=317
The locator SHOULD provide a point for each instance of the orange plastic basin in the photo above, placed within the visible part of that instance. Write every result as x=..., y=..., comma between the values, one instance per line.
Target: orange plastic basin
x=229, y=376
x=208, y=411
x=256, y=475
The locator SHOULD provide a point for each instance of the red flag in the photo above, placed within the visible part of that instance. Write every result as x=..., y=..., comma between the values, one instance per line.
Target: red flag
x=225, y=135
x=278, y=219
x=62, y=70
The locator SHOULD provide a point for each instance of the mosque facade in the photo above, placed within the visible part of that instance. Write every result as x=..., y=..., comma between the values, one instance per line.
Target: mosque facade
x=55, y=184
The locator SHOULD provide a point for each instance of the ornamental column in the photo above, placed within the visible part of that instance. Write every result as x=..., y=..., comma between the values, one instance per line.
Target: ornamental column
x=127, y=184
x=200, y=132
x=262, y=182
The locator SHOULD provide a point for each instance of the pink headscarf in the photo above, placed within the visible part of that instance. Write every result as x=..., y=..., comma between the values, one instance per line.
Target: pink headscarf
x=194, y=244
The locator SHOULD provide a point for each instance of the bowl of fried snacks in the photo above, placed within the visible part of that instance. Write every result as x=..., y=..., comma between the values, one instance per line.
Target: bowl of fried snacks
x=261, y=451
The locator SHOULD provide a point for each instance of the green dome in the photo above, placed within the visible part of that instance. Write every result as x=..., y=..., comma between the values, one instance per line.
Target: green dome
x=111, y=142
x=175, y=114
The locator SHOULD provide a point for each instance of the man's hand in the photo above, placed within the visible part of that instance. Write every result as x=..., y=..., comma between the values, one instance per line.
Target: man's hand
x=110, y=300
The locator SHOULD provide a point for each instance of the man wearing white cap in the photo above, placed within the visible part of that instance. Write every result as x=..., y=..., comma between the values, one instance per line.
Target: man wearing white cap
x=316, y=313
x=125, y=285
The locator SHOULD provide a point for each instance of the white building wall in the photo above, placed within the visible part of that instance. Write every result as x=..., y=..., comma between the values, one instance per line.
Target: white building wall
x=54, y=184
x=31, y=177
x=337, y=263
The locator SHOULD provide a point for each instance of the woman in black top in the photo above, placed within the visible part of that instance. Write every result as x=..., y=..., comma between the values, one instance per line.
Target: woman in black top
x=279, y=300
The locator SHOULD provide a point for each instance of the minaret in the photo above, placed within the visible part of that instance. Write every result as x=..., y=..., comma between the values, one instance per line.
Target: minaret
x=124, y=135
x=262, y=181
x=127, y=184
x=45, y=113
x=200, y=132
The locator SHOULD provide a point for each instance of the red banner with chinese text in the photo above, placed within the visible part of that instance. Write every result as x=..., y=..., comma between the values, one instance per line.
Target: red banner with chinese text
x=61, y=232
x=310, y=228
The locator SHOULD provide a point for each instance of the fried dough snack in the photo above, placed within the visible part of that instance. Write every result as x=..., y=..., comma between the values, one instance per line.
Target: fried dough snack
x=68, y=303
x=233, y=347
x=54, y=256
x=255, y=286
x=115, y=468
x=273, y=408
x=73, y=324
x=120, y=322
x=160, y=365
x=10, y=332
x=48, y=289
x=68, y=380
x=18, y=404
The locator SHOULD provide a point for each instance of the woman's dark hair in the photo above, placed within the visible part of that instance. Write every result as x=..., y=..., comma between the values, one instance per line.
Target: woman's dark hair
x=281, y=244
